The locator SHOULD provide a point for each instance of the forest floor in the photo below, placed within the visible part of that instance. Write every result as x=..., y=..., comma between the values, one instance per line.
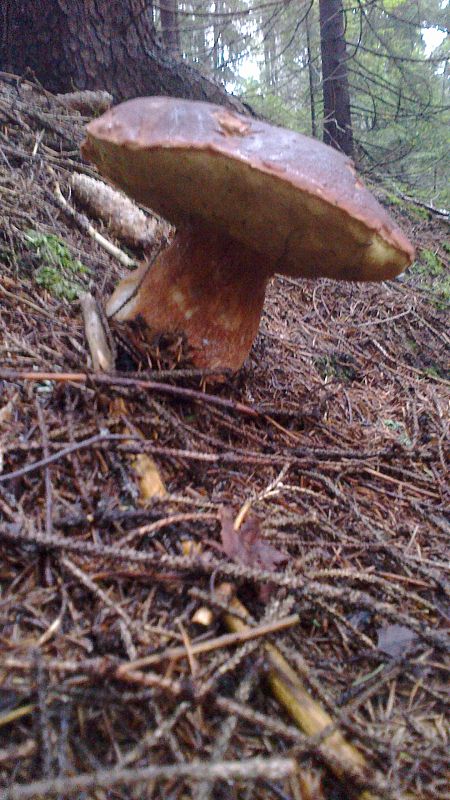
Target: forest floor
x=118, y=493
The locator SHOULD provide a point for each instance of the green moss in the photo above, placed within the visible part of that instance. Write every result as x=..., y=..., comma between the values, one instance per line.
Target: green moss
x=58, y=269
x=413, y=211
x=337, y=365
x=416, y=212
x=54, y=282
x=433, y=372
x=412, y=345
x=441, y=297
x=435, y=278
x=393, y=199
x=431, y=263
x=399, y=429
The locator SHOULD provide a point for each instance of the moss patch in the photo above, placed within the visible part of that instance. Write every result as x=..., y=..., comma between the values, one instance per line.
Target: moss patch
x=434, y=277
x=341, y=366
x=429, y=264
x=58, y=270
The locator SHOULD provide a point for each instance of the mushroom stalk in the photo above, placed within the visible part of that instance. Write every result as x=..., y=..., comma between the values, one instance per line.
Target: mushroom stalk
x=205, y=285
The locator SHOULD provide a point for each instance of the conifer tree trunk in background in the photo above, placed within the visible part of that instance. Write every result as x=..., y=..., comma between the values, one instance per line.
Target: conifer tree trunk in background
x=169, y=25
x=312, y=101
x=337, y=127
x=270, y=58
x=217, y=51
x=98, y=44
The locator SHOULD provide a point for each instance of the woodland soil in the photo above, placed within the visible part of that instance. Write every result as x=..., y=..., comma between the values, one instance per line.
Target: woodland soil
x=335, y=435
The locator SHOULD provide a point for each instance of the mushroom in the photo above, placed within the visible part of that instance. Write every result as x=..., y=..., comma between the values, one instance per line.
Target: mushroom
x=248, y=200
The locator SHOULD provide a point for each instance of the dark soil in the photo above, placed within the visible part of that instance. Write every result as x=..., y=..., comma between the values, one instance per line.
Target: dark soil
x=335, y=434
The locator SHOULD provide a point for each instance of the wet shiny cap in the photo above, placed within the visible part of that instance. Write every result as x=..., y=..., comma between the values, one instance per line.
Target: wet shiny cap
x=295, y=201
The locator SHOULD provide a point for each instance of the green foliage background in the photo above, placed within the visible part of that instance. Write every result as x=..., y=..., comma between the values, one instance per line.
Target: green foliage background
x=269, y=53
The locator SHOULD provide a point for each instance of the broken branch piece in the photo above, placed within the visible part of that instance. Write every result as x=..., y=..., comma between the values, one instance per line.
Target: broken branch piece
x=101, y=354
x=291, y=693
x=122, y=217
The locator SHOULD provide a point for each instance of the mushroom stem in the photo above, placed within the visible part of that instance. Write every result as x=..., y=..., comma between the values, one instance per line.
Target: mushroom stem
x=205, y=285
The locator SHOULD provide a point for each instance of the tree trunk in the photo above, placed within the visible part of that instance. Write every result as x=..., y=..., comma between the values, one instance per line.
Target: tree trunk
x=337, y=126
x=270, y=59
x=169, y=25
x=98, y=44
x=217, y=51
x=312, y=99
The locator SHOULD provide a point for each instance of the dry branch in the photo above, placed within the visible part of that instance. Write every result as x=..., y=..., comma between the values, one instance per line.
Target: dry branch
x=273, y=768
x=291, y=693
x=122, y=217
x=85, y=226
x=101, y=354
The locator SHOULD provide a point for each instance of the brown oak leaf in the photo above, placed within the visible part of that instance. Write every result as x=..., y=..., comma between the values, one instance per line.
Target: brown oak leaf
x=246, y=545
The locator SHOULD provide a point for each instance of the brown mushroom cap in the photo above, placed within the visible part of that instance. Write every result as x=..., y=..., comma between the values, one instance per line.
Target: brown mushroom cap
x=296, y=201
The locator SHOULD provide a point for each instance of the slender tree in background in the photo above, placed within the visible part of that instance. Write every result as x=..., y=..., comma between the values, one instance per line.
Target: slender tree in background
x=99, y=44
x=169, y=25
x=312, y=99
x=337, y=123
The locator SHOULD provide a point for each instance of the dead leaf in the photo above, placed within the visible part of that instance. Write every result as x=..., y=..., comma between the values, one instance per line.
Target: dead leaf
x=246, y=545
x=395, y=640
x=7, y=410
x=150, y=481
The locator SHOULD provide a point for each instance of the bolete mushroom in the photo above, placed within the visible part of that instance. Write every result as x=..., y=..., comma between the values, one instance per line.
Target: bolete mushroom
x=248, y=200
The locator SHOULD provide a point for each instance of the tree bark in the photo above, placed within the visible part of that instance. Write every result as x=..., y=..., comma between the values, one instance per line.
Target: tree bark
x=337, y=126
x=98, y=44
x=169, y=25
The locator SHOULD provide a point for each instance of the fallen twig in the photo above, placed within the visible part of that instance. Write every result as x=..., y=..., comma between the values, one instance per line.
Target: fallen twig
x=292, y=694
x=274, y=768
x=137, y=383
x=219, y=642
x=84, y=225
x=101, y=354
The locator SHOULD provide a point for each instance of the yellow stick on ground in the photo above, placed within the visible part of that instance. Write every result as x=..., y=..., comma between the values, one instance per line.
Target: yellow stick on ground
x=290, y=691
